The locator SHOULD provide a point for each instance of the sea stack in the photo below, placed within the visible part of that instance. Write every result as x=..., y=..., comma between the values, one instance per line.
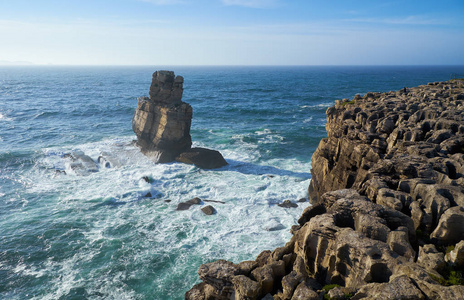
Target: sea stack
x=162, y=124
x=162, y=121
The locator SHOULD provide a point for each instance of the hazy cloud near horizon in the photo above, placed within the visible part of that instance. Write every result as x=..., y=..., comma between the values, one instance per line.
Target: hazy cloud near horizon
x=231, y=32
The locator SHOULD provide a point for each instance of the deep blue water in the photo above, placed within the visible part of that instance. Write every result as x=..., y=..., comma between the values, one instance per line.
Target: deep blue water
x=95, y=235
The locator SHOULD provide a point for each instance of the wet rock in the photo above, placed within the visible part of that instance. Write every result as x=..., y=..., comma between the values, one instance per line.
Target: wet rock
x=82, y=164
x=287, y=204
x=202, y=158
x=214, y=201
x=108, y=160
x=183, y=206
x=60, y=172
x=208, y=210
x=195, y=200
x=147, y=179
x=186, y=205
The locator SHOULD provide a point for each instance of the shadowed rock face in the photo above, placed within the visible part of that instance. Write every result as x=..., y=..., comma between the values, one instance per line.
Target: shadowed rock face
x=388, y=193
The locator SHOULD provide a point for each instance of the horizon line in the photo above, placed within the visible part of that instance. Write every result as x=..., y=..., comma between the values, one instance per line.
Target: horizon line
x=227, y=65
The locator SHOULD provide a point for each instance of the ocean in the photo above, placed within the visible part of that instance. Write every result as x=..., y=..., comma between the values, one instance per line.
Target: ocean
x=68, y=234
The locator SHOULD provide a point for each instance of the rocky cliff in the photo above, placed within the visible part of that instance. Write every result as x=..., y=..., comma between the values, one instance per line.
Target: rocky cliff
x=387, y=219
x=162, y=125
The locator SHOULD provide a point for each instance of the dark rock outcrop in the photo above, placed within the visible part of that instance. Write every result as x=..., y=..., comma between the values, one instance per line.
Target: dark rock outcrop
x=202, y=158
x=387, y=191
x=162, y=125
x=208, y=210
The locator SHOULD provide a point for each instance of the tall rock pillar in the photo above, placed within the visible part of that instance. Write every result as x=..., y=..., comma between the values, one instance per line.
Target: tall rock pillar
x=162, y=121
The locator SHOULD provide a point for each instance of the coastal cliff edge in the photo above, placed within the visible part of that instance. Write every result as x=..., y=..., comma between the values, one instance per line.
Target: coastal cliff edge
x=387, y=214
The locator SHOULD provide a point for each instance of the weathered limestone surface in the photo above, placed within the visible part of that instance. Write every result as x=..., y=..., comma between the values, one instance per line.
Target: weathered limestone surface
x=162, y=125
x=387, y=191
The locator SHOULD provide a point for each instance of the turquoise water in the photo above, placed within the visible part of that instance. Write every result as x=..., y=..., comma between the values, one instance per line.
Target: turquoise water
x=95, y=235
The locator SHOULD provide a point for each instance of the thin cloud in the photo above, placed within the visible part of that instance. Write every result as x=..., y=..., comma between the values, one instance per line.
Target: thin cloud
x=164, y=2
x=409, y=20
x=251, y=3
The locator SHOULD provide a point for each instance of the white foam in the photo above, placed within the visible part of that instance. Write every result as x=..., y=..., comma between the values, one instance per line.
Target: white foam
x=4, y=117
x=308, y=120
x=318, y=106
x=111, y=202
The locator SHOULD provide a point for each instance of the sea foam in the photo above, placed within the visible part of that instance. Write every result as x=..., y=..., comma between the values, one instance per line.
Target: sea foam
x=113, y=227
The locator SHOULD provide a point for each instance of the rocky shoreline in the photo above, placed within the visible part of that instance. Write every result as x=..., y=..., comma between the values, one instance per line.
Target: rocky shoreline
x=387, y=219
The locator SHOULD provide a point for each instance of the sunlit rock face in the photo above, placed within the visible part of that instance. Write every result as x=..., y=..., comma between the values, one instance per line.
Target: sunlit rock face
x=162, y=125
x=162, y=121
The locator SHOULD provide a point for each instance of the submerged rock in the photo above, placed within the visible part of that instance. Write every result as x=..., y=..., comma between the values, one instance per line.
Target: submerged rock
x=287, y=204
x=186, y=205
x=82, y=164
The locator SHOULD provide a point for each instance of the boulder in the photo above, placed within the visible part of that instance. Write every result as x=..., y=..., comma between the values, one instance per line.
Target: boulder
x=186, y=205
x=457, y=254
x=245, y=288
x=400, y=287
x=430, y=258
x=219, y=275
x=208, y=210
x=202, y=158
x=304, y=292
x=287, y=204
x=265, y=276
x=399, y=242
x=450, y=229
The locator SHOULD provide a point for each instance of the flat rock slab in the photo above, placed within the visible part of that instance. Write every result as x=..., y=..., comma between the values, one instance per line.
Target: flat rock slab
x=287, y=204
x=202, y=158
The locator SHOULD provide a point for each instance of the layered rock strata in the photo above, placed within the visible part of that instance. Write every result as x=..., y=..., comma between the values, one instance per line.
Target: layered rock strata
x=162, y=121
x=387, y=219
x=162, y=125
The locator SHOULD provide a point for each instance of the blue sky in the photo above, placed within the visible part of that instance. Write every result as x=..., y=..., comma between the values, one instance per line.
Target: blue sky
x=232, y=32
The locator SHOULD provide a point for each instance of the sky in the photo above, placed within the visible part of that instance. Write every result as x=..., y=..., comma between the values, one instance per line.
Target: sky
x=232, y=32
